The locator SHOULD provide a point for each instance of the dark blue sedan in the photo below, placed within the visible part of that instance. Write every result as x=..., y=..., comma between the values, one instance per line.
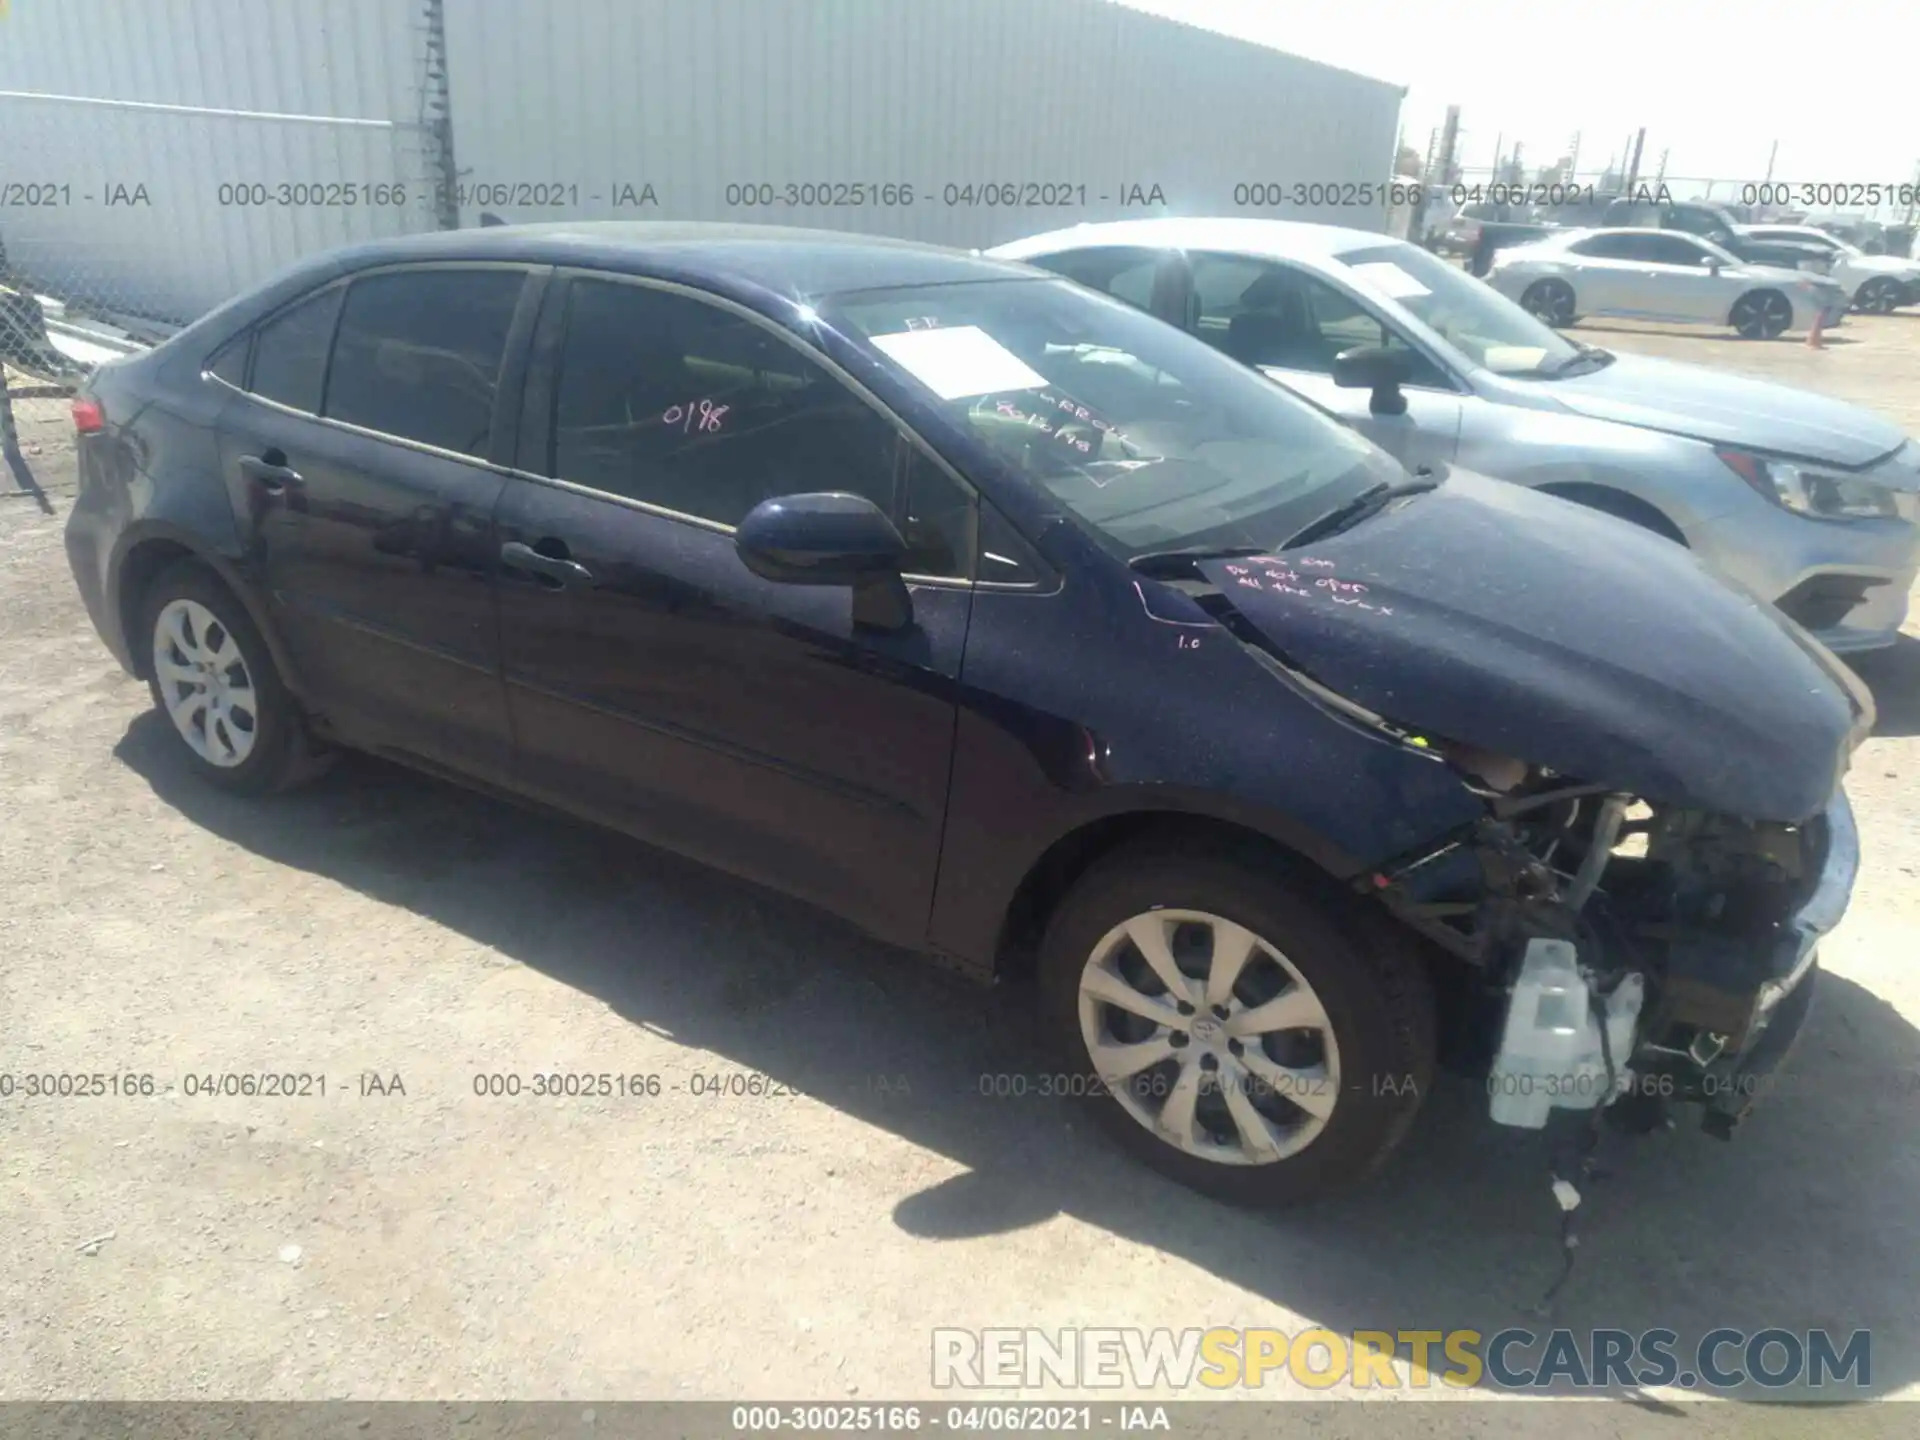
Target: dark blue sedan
x=1022, y=629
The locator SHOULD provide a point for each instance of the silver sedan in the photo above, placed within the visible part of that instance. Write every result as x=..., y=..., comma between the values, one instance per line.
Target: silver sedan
x=1805, y=501
x=1662, y=275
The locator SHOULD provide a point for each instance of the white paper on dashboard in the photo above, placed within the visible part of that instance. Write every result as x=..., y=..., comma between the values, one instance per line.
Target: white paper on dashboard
x=1389, y=279
x=959, y=362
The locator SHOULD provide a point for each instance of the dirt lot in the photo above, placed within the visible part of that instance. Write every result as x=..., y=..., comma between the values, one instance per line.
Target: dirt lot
x=431, y=1242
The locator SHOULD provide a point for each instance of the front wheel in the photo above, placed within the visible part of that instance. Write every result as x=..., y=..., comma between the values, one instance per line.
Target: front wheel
x=1250, y=1041
x=1879, y=296
x=1761, y=315
x=1550, y=301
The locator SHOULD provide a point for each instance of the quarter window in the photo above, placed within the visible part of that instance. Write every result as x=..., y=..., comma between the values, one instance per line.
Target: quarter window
x=1125, y=274
x=290, y=352
x=419, y=354
x=678, y=403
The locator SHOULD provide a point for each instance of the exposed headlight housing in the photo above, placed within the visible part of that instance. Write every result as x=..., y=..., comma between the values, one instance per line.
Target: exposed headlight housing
x=1807, y=490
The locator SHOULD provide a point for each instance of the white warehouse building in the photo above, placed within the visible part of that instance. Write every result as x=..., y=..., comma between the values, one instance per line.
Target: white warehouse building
x=214, y=142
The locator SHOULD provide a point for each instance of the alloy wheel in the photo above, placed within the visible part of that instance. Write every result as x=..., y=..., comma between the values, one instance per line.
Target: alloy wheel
x=1763, y=317
x=1209, y=1037
x=205, y=684
x=1551, y=301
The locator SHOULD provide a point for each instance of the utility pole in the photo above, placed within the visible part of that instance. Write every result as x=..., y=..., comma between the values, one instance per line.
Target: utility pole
x=1633, y=163
x=1499, y=142
x=1662, y=173
x=1573, y=157
x=1772, y=155
x=1449, y=137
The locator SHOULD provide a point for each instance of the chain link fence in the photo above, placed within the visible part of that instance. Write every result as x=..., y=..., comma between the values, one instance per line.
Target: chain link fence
x=122, y=219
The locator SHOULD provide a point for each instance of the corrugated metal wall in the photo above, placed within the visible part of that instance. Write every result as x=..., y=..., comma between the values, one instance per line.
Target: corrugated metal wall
x=574, y=108
x=696, y=96
x=122, y=205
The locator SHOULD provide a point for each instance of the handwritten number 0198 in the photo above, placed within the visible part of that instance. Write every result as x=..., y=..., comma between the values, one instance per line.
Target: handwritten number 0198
x=695, y=415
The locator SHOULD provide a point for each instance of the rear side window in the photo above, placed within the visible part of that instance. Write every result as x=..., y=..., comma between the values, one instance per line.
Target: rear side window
x=290, y=352
x=419, y=354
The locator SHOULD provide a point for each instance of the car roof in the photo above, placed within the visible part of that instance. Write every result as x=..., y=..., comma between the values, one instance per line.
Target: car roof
x=791, y=260
x=1273, y=239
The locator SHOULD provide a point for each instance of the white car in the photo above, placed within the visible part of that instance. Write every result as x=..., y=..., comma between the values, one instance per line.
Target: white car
x=1668, y=275
x=1877, y=283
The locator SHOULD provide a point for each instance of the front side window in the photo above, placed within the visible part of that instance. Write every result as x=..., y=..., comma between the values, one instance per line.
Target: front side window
x=1151, y=438
x=1267, y=314
x=679, y=403
x=1479, y=322
x=419, y=353
x=290, y=352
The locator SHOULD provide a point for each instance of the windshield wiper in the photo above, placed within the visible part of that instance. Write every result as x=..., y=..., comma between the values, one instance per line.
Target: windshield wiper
x=1370, y=501
x=1166, y=564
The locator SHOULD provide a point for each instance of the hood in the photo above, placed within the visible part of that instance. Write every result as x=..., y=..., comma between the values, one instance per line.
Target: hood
x=1728, y=409
x=1491, y=614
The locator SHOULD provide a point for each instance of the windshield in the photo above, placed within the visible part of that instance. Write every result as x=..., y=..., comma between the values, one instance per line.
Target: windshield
x=1152, y=438
x=1477, y=320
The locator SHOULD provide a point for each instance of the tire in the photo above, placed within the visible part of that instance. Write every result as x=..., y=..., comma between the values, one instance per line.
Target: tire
x=1761, y=315
x=251, y=738
x=1331, y=1098
x=1880, y=295
x=1550, y=301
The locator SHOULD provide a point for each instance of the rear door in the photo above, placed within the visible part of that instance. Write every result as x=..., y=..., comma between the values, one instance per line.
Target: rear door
x=1290, y=324
x=655, y=682
x=1683, y=283
x=363, y=465
x=1605, y=275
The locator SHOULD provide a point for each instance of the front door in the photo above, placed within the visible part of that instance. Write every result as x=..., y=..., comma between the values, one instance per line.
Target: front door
x=658, y=684
x=366, y=494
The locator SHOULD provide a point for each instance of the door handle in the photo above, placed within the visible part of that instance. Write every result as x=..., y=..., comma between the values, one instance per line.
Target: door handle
x=557, y=572
x=273, y=476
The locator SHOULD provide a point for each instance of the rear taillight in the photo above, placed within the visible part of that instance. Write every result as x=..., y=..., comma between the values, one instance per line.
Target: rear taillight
x=88, y=417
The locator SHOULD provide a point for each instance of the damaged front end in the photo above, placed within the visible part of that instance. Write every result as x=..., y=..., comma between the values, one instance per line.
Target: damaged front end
x=1625, y=952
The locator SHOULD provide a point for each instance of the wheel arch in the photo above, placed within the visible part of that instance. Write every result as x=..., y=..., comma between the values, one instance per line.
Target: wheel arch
x=143, y=556
x=1621, y=504
x=1073, y=854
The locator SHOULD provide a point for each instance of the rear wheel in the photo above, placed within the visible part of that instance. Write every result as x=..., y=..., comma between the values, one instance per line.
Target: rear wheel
x=1549, y=300
x=1761, y=315
x=1230, y=1031
x=213, y=680
x=1879, y=296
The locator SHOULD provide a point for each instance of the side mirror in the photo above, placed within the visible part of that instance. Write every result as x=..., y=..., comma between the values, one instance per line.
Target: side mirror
x=830, y=538
x=1714, y=262
x=1375, y=368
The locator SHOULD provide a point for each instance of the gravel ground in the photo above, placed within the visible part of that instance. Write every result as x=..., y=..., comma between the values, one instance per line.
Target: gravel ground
x=403, y=1237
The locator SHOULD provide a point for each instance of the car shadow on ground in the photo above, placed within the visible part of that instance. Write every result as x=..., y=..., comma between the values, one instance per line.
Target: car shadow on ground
x=1803, y=1221
x=1893, y=675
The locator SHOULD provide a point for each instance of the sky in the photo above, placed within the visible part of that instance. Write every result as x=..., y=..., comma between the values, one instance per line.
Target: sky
x=1714, y=84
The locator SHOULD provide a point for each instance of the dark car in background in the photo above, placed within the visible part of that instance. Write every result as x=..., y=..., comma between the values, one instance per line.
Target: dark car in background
x=1715, y=223
x=1016, y=626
